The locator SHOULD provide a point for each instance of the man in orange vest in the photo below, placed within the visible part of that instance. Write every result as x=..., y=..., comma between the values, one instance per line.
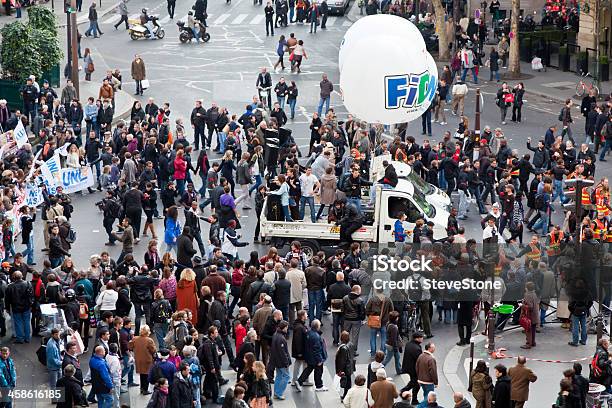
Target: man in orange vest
x=600, y=227
x=554, y=244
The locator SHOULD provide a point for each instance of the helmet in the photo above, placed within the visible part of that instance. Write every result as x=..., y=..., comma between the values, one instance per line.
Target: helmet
x=144, y=11
x=70, y=294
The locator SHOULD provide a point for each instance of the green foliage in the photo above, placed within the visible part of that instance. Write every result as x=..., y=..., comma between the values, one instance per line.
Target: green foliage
x=603, y=60
x=48, y=47
x=20, y=56
x=42, y=18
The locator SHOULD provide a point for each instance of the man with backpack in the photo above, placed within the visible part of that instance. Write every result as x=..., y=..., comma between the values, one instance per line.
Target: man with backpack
x=161, y=312
x=208, y=355
x=162, y=368
x=417, y=293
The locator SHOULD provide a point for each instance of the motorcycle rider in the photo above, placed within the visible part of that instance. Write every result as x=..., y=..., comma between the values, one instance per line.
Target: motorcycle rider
x=145, y=19
x=194, y=25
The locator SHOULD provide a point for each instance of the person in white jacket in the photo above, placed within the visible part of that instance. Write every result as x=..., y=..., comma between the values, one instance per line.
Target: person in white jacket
x=107, y=299
x=358, y=396
x=114, y=367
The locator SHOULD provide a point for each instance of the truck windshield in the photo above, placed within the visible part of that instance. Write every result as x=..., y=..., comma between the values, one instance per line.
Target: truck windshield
x=420, y=200
x=419, y=183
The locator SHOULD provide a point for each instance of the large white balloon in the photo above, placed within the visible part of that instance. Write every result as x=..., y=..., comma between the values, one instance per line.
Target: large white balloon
x=381, y=24
x=384, y=81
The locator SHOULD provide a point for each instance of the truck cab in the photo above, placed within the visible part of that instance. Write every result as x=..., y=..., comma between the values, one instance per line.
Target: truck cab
x=405, y=171
x=378, y=223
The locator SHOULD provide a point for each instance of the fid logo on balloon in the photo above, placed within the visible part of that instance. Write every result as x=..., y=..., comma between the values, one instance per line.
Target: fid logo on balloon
x=409, y=91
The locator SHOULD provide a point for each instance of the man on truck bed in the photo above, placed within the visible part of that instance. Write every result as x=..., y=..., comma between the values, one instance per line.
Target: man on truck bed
x=388, y=181
x=350, y=222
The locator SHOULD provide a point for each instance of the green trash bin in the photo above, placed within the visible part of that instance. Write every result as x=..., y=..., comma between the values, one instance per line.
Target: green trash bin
x=10, y=92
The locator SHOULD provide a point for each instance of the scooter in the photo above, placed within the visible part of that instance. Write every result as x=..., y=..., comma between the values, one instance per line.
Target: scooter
x=140, y=31
x=186, y=34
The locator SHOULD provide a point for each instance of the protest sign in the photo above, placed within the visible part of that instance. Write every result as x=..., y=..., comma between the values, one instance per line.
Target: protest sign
x=34, y=196
x=20, y=134
x=73, y=180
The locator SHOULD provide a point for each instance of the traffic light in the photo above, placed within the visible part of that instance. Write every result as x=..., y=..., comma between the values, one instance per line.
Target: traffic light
x=67, y=7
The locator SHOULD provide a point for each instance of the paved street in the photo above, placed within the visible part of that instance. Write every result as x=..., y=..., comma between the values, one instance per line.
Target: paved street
x=224, y=71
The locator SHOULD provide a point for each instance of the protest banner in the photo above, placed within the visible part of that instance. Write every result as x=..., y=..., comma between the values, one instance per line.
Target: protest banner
x=34, y=196
x=20, y=134
x=73, y=180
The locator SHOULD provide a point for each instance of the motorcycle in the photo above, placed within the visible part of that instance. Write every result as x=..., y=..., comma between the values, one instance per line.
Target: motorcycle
x=140, y=31
x=186, y=34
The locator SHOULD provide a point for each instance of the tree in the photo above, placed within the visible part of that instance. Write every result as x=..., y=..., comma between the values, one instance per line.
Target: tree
x=42, y=18
x=20, y=57
x=47, y=45
x=443, y=53
x=514, y=61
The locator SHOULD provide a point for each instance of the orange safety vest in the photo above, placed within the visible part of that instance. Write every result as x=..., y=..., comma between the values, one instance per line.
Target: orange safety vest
x=601, y=201
x=609, y=234
x=599, y=229
x=515, y=172
x=535, y=254
x=586, y=198
x=555, y=243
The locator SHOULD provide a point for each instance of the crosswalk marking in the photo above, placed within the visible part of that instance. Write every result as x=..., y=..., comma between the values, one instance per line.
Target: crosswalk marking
x=258, y=19
x=331, y=21
x=221, y=18
x=112, y=20
x=164, y=20
x=347, y=23
x=240, y=18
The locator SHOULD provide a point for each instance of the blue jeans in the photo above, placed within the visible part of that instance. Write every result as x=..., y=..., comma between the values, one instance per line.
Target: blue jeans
x=558, y=192
x=55, y=262
x=465, y=71
x=442, y=181
x=29, y=251
x=54, y=375
x=281, y=380
x=321, y=102
x=292, y=103
x=496, y=74
x=315, y=301
x=310, y=201
x=542, y=222
x=180, y=186
x=93, y=27
x=105, y=400
x=281, y=101
x=160, y=330
x=393, y=352
x=23, y=326
x=286, y=213
x=356, y=202
x=258, y=182
x=427, y=388
x=579, y=326
x=383, y=339
x=313, y=27
x=127, y=369
x=607, y=146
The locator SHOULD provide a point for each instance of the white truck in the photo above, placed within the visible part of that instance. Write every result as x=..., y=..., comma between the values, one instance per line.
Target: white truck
x=378, y=225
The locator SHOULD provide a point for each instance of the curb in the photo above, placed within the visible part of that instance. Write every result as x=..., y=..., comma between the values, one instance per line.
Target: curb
x=544, y=95
x=83, y=19
x=452, y=365
x=126, y=113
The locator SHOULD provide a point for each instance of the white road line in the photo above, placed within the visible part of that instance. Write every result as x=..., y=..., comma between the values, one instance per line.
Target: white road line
x=239, y=19
x=134, y=17
x=221, y=18
x=331, y=21
x=112, y=20
x=164, y=20
x=258, y=19
x=347, y=23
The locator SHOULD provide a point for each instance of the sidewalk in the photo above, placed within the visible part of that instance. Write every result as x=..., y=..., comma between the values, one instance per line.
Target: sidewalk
x=123, y=100
x=108, y=7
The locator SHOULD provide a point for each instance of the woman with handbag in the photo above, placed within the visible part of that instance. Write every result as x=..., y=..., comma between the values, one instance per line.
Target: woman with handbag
x=89, y=65
x=505, y=98
x=260, y=389
x=481, y=385
x=377, y=311
x=530, y=314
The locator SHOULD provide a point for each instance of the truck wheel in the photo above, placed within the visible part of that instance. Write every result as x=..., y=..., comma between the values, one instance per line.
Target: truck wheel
x=310, y=248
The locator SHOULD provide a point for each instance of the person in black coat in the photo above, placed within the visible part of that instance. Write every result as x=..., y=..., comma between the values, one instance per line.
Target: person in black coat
x=517, y=105
x=345, y=362
x=281, y=294
x=181, y=392
x=73, y=389
x=247, y=347
x=184, y=248
x=298, y=343
x=501, y=391
x=411, y=353
x=335, y=293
